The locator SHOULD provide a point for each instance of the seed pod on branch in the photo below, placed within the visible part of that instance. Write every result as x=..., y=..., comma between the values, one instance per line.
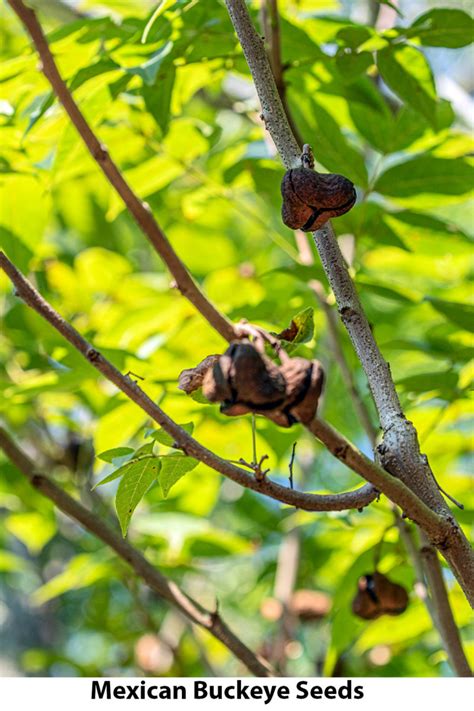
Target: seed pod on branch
x=244, y=380
x=377, y=595
x=310, y=199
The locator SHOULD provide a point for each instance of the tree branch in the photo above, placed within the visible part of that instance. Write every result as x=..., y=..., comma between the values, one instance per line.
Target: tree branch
x=443, y=613
x=441, y=531
x=399, y=451
x=167, y=589
x=139, y=210
x=309, y=502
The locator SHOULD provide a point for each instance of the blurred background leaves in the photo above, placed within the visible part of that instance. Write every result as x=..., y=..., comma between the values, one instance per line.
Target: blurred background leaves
x=383, y=98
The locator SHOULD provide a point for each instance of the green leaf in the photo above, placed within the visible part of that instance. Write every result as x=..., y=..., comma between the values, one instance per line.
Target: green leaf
x=173, y=468
x=144, y=450
x=135, y=482
x=39, y=107
x=427, y=174
x=110, y=454
x=303, y=322
x=401, y=295
x=442, y=27
x=350, y=64
x=123, y=469
x=442, y=382
x=408, y=75
x=158, y=97
x=333, y=150
x=148, y=70
x=103, y=66
x=164, y=438
x=460, y=314
x=162, y=6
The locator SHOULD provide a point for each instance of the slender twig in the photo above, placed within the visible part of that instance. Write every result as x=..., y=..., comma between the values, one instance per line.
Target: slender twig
x=442, y=609
x=290, y=465
x=414, y=554
x=347, y=374
x=139, y=210
x=167, y=589
x=399, y=450
x=309, y=502
x=438, y=528
x=270, y=21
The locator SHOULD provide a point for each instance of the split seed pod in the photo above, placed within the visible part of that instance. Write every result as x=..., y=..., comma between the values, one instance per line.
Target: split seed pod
x=304, y=383
x=244, y=380
x=377, y=595
x=310, y=199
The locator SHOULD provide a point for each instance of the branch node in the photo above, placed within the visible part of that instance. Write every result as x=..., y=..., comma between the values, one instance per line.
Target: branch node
x=100, y=153
x=92, y=355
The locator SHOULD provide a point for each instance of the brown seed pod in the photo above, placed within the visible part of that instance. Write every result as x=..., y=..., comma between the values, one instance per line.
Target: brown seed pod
x=191, y=379
x=310, y=199
x=244, y=380
x=304, y=382
x=377, y=595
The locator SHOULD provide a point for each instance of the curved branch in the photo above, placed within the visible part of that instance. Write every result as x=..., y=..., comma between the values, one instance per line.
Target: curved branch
x=167, y=589
x=309, y=502
x=138, y=209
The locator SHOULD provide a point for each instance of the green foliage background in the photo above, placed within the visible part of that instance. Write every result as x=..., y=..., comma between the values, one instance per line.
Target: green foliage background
x=168, y=91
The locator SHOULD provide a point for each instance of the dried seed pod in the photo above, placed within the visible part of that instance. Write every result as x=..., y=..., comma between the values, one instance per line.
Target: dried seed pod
x=216, y=381
x=377, y=595
x=304, y=382
x=310, y=199
x=244, y=380
x=191, y=379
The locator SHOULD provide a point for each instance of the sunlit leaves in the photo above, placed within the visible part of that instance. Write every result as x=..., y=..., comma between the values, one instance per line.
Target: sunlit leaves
x=136, y=479
x=173, y=468
x=427, y=175
x=442, y=27
x=334, y=151
x=167, y=90
x=460, y=314
x=408, y=74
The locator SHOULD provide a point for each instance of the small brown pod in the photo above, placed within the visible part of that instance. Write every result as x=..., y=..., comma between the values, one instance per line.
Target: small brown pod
x=244, y=380
x=377, y=595
x=310, y=199
x=304, y=383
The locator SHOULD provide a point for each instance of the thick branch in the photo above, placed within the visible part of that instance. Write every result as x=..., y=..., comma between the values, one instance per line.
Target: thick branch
x=309, y=502
x=399, y=451
x=138, y=209
x=442, y=609
x=167, y=589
